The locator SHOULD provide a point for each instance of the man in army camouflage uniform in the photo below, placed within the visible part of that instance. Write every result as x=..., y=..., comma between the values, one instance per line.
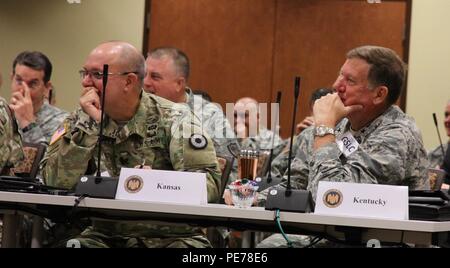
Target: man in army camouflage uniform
x=387, y=145
x=139, y=126
x=436, y=156
x=30, y=87
x=11, y=151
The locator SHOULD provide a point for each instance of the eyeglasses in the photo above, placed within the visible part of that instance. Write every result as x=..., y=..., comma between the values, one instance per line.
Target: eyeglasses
x=99, y=75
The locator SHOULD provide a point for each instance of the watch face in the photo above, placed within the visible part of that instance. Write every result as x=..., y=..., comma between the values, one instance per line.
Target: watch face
x=320, y=131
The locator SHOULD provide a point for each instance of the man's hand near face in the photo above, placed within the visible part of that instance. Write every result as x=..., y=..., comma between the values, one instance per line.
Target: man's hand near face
x=90, y=103
x=22, y=105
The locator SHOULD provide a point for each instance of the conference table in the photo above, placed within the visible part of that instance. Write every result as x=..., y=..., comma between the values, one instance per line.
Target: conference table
x=13, y=205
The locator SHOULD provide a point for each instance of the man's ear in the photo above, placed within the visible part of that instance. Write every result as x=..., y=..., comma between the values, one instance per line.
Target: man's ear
x=381, y=94
x=48, y=86
x=131, y=79
x=181, y=83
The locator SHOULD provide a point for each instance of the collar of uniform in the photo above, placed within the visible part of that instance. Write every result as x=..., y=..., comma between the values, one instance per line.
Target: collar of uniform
x=367, y=130
x=189, y=97
x=136, y=125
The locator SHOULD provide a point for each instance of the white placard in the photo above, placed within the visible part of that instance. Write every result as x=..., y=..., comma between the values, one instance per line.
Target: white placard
x=162, y=186
x=362, y=200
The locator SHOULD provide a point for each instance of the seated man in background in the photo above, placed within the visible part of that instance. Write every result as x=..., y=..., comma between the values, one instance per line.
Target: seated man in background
x=167, y=76
x=138, y=127
x=30, y=85
x=280, y=163
x=251, y=130
x=389, y=147
x=436, y=156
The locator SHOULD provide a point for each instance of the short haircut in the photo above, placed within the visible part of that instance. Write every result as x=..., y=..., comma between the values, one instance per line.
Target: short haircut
x=179, y=58
x=36, y=61
x=386, y=68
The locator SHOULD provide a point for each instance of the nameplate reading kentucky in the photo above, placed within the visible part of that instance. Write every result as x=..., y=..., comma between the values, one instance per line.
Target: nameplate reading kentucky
x=162, y=186
x=362, y=200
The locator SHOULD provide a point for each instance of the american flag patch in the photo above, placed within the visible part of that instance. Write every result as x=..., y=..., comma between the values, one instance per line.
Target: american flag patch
x=58, y=134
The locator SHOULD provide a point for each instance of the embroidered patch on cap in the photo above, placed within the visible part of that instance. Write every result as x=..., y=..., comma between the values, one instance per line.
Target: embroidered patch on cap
x=58, y=134
x=198, y=141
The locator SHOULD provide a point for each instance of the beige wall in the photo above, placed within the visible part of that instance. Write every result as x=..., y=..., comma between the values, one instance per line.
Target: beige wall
x=429, y=66
x=66, y=33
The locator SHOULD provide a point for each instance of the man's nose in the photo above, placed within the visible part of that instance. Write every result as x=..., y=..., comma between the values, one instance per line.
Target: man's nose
x=87, y=81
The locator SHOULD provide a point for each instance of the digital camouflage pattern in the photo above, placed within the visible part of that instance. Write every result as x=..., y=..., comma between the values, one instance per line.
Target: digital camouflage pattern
x=11, y=151
x=263, y=141
x=436, y=157
x=391, y=152
x=213, y=121
x=48, y=120
x=280, y=162
x=155, y=134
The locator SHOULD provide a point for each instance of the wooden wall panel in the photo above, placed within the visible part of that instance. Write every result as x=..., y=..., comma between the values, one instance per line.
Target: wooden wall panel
x=313, y=37
x=229, y=43
x=255, y=47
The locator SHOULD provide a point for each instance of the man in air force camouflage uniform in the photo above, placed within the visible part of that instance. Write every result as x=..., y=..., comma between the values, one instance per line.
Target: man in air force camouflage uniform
x=139, y=126
x=30, y=86
x=387, y=146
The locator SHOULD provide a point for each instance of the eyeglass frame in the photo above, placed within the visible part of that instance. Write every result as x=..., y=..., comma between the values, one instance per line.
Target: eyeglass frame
x=99, y=75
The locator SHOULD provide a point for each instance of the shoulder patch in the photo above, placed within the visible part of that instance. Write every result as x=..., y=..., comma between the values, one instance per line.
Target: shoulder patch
x=58, y=134
x=198, y=141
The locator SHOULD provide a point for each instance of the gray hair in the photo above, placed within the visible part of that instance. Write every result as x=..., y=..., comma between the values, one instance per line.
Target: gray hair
x=386, y=68
x=179, y=58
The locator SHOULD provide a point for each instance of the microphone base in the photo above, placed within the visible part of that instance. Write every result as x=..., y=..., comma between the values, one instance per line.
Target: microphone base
x=295, y=201
x=97, y=187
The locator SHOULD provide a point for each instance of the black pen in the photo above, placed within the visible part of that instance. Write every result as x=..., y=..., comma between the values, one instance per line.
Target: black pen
x=142, y=165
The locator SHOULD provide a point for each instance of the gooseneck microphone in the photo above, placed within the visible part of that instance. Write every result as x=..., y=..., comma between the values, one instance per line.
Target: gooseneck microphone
x=439, y=134
x=269, y=181
x=296, y=94
x=102, y=106
x=290, y=199
x=98, y=186
x=269, y=175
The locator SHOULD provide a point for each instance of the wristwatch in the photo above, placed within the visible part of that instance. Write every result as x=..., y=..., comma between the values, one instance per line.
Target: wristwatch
x=29, y=127
x=322, y=130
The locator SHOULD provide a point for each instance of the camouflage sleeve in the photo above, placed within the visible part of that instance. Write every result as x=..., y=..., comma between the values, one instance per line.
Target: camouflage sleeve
x=42, y=132
x=190, y=155
x=68, y=156
x=280, y=162
x=35, y=135
x=436, y=157
x=11, y=151
x=389, y=156
x=221, y=134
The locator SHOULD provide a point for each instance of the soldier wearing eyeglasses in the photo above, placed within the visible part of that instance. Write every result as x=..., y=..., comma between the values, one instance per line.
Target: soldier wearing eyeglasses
x=138, y=128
